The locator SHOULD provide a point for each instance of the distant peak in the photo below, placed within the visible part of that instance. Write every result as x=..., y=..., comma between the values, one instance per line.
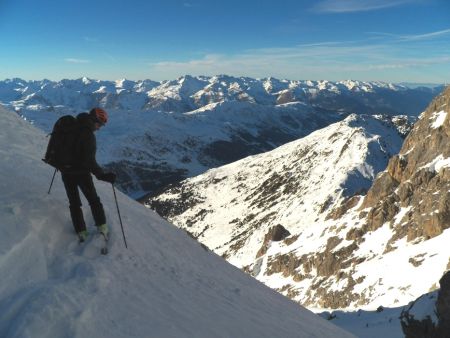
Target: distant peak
x=86, y=80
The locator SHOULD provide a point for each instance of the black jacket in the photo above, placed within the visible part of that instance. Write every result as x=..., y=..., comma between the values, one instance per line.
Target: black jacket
x=87, y=146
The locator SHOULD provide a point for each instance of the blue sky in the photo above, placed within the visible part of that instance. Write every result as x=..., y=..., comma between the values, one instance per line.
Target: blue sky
x=392, y=41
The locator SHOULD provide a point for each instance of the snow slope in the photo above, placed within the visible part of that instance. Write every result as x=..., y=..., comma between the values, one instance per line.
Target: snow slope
x=164, y=285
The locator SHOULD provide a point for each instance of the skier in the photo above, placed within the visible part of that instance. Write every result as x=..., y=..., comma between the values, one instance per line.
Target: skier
x=79, y=176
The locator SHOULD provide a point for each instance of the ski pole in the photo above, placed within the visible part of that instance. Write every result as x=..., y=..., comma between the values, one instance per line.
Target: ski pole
x=120, y=218
x=53, y=178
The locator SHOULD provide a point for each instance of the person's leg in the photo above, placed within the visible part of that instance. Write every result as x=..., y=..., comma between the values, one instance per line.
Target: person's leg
x=71, y=185
x=87, y=187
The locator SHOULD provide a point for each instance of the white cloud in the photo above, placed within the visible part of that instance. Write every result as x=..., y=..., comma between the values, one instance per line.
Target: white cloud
x=327, y=60
x=398, y=64
x=73, y=60
x=345, y=6
x=426, y=36
x=415, y=37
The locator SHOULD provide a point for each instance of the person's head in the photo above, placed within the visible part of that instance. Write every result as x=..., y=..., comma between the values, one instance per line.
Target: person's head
x=100, y=117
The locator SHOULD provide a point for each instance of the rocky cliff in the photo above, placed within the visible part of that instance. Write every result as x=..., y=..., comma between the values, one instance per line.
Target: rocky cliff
x=413, y=194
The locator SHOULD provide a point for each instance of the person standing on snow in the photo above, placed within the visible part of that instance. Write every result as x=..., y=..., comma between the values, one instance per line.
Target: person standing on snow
x=80, y=176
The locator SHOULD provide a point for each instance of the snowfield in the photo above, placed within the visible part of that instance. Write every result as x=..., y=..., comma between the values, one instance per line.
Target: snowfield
x=165, y=285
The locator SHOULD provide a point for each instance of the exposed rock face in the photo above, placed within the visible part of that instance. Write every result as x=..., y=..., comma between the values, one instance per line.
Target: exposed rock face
x=275, y=234
x=323, y=264
x=418, y=179
x=420, y=329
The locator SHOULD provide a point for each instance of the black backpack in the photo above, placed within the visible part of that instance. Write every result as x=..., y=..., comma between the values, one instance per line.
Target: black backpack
x=61, y=149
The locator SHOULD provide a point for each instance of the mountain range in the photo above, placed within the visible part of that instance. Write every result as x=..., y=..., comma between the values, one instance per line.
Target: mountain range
x=162, y=132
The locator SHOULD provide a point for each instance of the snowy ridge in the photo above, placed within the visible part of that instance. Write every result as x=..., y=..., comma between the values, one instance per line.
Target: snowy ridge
x=295, y=185
x=292, y=185
x=165, y=285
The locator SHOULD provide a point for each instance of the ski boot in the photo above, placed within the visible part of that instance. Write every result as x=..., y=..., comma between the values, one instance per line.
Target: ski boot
x=103, y=229
x=83, y=235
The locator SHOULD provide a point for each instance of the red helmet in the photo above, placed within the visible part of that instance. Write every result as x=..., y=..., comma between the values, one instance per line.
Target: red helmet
x=100, y=115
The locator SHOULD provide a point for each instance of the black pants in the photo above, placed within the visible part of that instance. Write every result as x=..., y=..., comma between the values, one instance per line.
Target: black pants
x=83, y=181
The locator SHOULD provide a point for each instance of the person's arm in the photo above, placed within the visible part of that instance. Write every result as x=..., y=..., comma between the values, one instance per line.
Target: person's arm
x=88, y=149
x=91, y=149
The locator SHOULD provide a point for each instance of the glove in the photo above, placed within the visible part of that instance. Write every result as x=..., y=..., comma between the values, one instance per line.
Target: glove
x=107, y=177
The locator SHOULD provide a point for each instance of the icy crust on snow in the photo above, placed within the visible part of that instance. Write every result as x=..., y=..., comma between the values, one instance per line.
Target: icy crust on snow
x=164, y=285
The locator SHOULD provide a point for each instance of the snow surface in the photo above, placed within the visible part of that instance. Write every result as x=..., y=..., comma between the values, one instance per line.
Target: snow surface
x=425, y=306
x=369, y=324
x=164, y=285
x=438, y=119
x=437, y=164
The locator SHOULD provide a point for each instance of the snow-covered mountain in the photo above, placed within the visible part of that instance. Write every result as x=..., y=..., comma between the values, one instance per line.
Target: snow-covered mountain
x=291, y=187
x=238, y=209
x=164, y=285
x=162, y=132
x=189, y=93
x=300, y=219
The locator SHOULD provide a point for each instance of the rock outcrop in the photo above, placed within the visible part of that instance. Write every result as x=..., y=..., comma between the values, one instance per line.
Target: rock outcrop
x=275, y=234
x=417, y=180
